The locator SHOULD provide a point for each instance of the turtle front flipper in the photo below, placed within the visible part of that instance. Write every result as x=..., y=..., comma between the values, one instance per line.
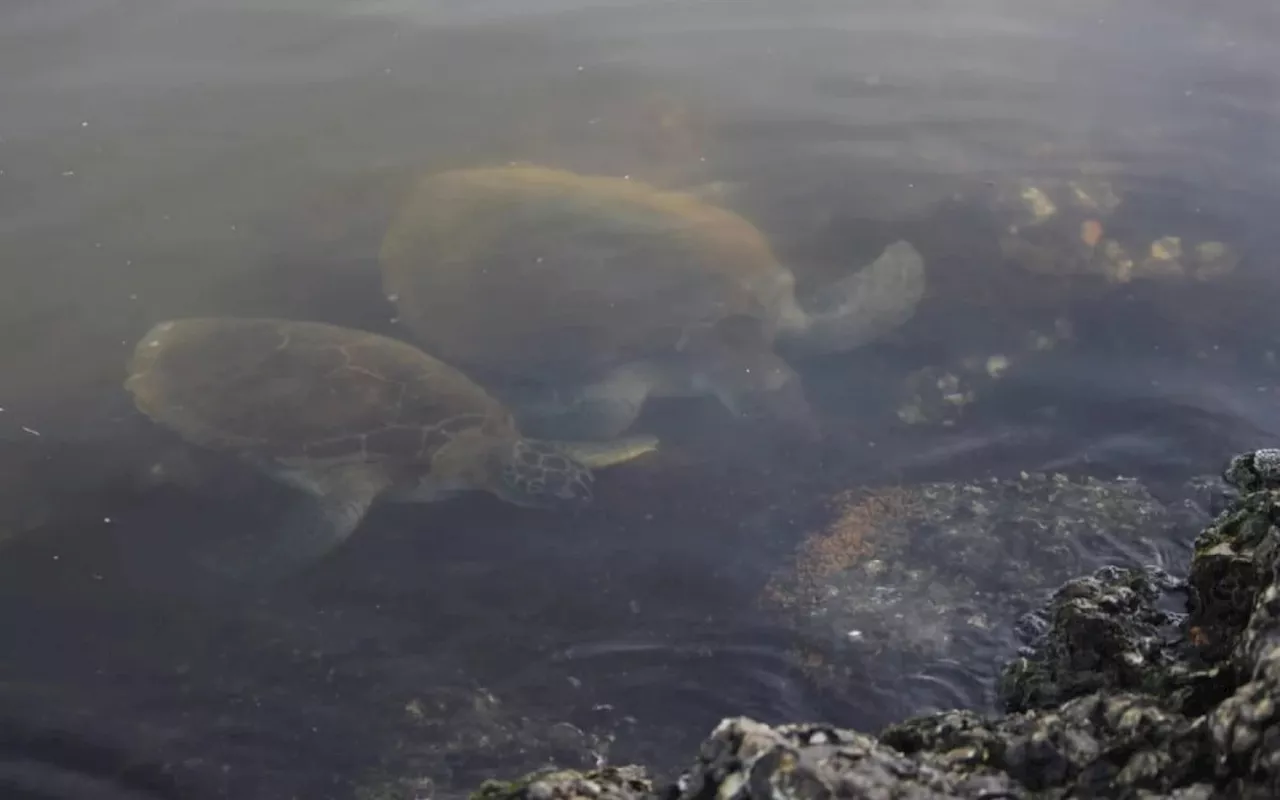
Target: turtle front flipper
x=326, y=513
x=861, y=308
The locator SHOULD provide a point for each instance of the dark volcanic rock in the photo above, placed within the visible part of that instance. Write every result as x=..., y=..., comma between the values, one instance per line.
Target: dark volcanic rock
x=608, y=783
x=1103, y=631
x=1118, y=696
x=746, y=759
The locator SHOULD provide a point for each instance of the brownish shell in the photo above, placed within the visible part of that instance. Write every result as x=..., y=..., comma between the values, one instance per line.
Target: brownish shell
x=304, y=390
x=538, y=271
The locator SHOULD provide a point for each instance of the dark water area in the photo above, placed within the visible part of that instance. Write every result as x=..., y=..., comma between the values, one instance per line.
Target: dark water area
x=159, y=160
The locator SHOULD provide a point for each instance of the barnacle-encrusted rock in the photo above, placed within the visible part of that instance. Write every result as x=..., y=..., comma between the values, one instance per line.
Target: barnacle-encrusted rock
x=746, y=759
x=607, y=783
x=1234, y=561
x=1250, y=472
x=1102, y=631
x=1086, y=744
x=450, y=737
x=1060, y=228
x=941, y=395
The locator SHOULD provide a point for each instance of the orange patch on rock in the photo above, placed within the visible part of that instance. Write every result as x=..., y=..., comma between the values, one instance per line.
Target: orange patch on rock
x=848, y=541
x=1091, y=232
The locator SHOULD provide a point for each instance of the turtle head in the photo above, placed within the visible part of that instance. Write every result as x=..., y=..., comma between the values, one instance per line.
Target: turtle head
x=537, y=474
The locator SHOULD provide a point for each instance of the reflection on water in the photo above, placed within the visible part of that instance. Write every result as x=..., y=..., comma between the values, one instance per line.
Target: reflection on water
x=159, y=160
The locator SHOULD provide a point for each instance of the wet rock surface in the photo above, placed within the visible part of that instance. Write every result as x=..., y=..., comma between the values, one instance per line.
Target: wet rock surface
x=1134, y=684
x=1102, y=630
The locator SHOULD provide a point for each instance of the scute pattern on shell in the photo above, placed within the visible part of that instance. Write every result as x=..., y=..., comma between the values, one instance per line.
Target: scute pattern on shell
x=304, y=390
x=577, y=273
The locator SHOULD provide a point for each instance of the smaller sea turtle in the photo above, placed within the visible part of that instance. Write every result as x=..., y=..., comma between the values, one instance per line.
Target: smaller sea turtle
x=605, y=291
x=349, y=417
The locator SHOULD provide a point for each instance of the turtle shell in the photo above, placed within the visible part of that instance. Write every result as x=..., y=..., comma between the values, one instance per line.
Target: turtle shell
x=304, y=391
x=535, y=271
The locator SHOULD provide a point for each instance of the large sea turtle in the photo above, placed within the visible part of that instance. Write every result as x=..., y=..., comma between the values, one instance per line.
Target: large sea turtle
x=348, y=417
x=601, y=291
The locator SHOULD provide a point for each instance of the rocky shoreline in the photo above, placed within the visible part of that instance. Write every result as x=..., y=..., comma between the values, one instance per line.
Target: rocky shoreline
x=1138, y=684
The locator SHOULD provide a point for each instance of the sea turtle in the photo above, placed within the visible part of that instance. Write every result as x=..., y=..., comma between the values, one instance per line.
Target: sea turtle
x=600, y=291
x=348, y=417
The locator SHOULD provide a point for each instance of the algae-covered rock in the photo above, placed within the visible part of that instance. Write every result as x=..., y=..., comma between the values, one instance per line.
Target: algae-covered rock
x=920, y=572
x=1078, y=250
x=1103, y=631
x=744, y=759
x=452, y=737
x=607, y=783
x=1250, y=472
x=1061, y=227
x=942, y=395
x=1234, y=561
x=1123, y=741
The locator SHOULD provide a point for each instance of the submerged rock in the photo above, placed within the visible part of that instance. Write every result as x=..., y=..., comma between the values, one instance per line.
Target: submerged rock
x=1060, y=227
x=453, y=736
x=1118, y=696
x=936, y=395
x=917, y=574
x=608, y=783
x=746, y=759
x=1069, y=261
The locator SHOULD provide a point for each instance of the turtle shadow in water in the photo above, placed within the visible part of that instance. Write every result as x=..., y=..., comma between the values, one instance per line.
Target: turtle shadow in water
x=710, y=473
x=42, y=761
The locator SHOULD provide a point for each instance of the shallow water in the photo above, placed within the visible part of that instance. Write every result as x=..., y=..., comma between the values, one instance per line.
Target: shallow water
x=167, y=159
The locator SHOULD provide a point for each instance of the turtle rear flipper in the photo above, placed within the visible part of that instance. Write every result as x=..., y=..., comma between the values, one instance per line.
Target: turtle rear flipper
x=322, y=518
x=864, y=306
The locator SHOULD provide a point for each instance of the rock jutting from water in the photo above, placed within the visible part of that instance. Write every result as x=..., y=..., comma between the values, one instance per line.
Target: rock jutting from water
x=1123, y=694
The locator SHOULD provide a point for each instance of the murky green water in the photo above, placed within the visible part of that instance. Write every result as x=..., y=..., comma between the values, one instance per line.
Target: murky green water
x=159, y=160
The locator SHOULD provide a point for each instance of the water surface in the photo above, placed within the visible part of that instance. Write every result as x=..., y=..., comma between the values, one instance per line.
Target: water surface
x=166, y=159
